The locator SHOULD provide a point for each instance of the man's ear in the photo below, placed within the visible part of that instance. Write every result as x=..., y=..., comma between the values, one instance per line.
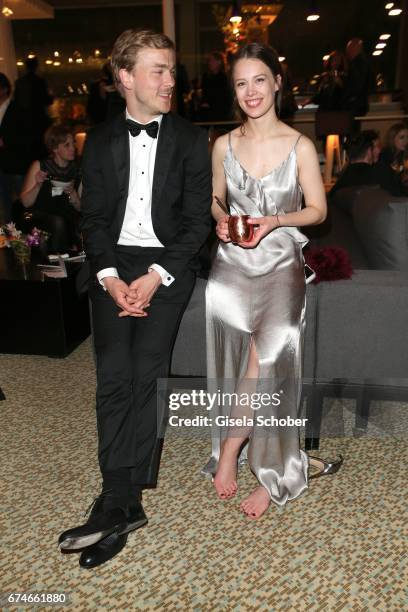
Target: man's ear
x=126, y=78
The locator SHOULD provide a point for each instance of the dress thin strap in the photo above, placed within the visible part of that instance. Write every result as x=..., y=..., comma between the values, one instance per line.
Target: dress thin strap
x=297, y=140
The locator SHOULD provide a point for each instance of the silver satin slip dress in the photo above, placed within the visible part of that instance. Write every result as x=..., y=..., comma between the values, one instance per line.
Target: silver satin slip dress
x=260, y=294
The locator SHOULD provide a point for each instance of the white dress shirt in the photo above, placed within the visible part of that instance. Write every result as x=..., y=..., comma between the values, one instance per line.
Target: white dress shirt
x=137, y=228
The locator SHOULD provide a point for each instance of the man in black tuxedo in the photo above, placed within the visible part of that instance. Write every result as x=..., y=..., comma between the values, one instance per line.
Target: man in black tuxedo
x=145, y=204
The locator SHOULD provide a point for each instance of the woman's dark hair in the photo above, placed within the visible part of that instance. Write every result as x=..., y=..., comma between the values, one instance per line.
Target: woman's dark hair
x=391, y=134
x=56, y=135
x=270, y=58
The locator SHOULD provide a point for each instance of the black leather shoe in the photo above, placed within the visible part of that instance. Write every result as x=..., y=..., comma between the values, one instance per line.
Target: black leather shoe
x=108, y=516
x=135, y=516
x=102, y=551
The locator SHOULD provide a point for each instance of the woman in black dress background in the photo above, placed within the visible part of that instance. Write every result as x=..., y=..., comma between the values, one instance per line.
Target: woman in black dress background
x=51, y=190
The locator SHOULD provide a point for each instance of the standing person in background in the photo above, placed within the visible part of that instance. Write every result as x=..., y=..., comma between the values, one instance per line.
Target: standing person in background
x=183, y=87
x=216, y=92
x=359, y=79
x=15, y=149
x=104, y=101
x=330, y=95
x=289, y=105
x=32, y=96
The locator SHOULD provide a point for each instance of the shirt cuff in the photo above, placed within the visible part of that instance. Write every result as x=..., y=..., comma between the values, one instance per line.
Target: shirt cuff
x=105, y=273
x=167, y=278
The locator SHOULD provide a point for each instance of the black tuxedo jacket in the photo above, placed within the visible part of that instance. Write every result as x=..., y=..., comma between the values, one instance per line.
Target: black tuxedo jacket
x=181, y=192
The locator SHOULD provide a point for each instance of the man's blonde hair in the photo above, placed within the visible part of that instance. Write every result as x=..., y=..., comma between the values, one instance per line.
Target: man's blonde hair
x=128, y=45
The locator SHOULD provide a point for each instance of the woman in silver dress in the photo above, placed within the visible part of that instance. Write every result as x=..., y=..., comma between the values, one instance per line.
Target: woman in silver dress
x=256, y=291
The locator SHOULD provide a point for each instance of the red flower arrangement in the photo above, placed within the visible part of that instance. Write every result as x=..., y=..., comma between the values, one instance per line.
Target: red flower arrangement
x=329, y=263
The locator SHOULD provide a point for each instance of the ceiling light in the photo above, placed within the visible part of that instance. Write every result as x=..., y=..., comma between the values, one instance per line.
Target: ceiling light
x=313, y=13
x=6, y=11
x=395, y=12
x=20, y=63
x=389, y=6
x=385, y=36
x=235, y=13
x=380, y=45
x=48, y=61
x=325, y=57
x=281, y=58
x=377, y=52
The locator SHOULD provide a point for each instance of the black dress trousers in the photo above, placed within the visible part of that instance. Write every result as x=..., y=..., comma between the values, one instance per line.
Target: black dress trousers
x=131, y=354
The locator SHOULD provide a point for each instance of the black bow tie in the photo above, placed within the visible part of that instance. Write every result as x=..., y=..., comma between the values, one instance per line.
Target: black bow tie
x=135, y=128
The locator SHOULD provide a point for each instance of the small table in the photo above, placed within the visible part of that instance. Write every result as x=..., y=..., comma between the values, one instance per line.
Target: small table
x=40, y=315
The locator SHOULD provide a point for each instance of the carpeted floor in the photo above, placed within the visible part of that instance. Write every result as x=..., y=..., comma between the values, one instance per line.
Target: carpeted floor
x=340, y=546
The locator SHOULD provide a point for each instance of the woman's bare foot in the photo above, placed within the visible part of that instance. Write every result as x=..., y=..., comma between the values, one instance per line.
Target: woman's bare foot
x=225, y=480
x=256, y=504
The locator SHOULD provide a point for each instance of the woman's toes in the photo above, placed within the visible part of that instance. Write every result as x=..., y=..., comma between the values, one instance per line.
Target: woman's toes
x=257, y=503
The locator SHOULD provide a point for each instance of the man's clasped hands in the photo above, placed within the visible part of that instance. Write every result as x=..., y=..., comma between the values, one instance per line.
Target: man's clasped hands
x=133, y=299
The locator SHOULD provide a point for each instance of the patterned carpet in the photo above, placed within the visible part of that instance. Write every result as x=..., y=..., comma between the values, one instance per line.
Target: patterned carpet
x=340, y=546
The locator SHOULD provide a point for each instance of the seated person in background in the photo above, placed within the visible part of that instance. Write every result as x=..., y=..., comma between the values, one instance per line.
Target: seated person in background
x=395, y=152
x=51, y=190
x=363, y=168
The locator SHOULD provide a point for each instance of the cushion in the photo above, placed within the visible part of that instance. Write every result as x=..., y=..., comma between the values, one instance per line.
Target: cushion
x=381, y=223
x=338, y=230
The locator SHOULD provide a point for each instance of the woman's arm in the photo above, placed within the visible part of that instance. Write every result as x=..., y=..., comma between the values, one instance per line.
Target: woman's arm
x=32, y=184
x=219, y=188
x=311, y=182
